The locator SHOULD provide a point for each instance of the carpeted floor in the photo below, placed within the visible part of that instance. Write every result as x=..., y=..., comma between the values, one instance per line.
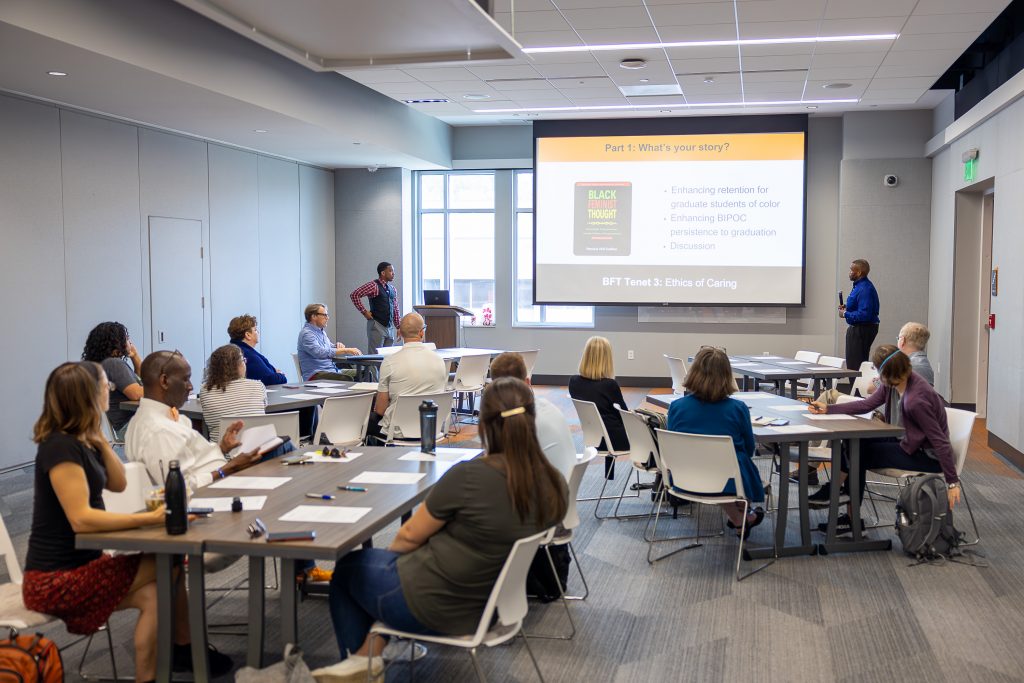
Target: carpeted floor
x=863, y=617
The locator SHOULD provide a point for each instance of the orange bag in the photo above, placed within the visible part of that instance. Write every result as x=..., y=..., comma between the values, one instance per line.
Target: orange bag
x=30, y=659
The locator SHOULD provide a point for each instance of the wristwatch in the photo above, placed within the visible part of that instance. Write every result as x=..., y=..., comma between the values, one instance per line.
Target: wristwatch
x=954, y=485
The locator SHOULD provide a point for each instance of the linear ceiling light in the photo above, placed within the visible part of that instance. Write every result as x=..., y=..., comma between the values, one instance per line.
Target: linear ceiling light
x=713, y=43
x=680, y=105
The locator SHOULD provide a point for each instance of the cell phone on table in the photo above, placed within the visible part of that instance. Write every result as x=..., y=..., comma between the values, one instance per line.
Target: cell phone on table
x=280, y=536
x=778, y=422
x=296, y=459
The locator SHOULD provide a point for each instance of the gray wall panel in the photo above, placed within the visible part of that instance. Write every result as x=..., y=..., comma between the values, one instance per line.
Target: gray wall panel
x=316, y=234
x=101, y=225
x=32, y=262
x=280, y=305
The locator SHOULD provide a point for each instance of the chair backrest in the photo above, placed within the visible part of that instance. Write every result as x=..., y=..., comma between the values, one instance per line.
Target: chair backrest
x=961, y=424
x=572, y=515
x=591, y=424
x=861, y=386
x=845, y=398
x=530, y=358
x=10, y=557
x=298, y=367
x=508, y=597
x=809, y=356
x=867, y=369
x=700, y=463
x=677, y=369
x=343, y=419
x=472, y=372
x=133, y=498
x=406, y=415
x=285, y=423
x=832, y=361
x=641, y=441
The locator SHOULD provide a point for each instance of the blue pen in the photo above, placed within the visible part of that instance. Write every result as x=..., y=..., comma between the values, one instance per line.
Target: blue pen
x=352, y=488
x=321, y=496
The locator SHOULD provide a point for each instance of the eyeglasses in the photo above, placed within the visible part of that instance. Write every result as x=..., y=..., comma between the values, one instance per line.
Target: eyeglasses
x=257, y=528
x=324, y=314
x=244, y=360
x=334, y=452
x=168, y=361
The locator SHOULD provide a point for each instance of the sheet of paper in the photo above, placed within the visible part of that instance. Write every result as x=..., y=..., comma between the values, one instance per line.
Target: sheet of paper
x=301, y=396
x=744, y=395
x=790, y=408
x=238, y=481
x=443, y=454
x=767, y=371
x=364, y=386
x=270, y=391
x=324, y=514
x=796, y=429
x=772, y=357
x=320, y=457
x=405, y=478
x=792, y=362
x=831, y=417
x=254, y=437
x=224, y=504
x=744, y=365
x=331, y=390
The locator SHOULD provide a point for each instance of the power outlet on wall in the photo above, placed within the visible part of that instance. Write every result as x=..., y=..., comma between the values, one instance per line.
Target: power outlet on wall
x=630, y=355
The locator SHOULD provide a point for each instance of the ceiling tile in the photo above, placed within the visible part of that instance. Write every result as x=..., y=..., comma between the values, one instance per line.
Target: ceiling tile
x=522, y=5
x=533, y=21
x=843, y=9
x=615, y=36
x=442, y=74
x=691, y=53
x=681, y=33
x=525, y=84
x=548, y=39
x=778, y=50
x=722, y=83
x=774, y=91
x=540, y=103
x=491, y=72
x=462, y=87
x=900, y=94
x=576, y=93
x=842, y=73
x=778, y=29
x=570, y=70
x=586, y=4
x=910, y=71
x=934, y=41
x=780, y=10
x=411, y=89
x=918, y=83
x=577, y=83
x=815, y=91
x=370, y=76
x=921, y=57
x=689, y=14
x=599, y=101
x=781, y=62
x=862, y=26
x=947, y=23
x=842, y=59
x=538, y=95
x=787, y=76
x=705, y=98
x=560, y=58
x=613, y=57
x=956, y=6
x=610, y=18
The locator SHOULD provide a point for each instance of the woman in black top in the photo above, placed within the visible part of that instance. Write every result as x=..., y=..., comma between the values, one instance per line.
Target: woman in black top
x=596, y=383
x=74, y=464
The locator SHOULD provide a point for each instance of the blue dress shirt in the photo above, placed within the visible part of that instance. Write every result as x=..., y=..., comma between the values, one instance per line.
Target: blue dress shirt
x=862, y=304
x=316, y=352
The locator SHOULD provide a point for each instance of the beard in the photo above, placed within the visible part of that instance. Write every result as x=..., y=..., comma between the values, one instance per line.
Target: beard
x=853, y=278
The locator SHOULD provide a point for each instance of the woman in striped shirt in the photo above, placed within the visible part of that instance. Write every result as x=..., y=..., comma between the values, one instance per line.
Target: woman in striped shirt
x=226, y=392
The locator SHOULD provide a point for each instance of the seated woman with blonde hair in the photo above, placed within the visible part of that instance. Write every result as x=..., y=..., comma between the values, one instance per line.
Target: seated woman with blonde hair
x=596, y=383
x=709, y=409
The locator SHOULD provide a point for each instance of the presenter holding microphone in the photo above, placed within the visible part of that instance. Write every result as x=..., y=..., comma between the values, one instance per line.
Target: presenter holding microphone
x=382, y=319
x=861, y=315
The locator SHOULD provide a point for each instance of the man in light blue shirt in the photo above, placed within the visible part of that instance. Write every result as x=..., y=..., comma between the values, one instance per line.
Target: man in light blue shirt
x=315, y=349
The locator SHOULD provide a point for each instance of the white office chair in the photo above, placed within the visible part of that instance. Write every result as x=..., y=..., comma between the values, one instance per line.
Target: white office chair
x=404, y=427
x=832, y=362
x=698, y=467
x=470, y=377
x=862, y=385
x=806, y=386
x=343, y=420
x=530, y=358
x=594, y=433
x=285, y=423
x=298, y=367
x=677, y=369
x=643, y=456
x=507, y=601
x=133, y=498
x=808, y=356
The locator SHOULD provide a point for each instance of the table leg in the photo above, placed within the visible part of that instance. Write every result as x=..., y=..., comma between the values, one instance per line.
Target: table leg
x=197, y=617
x=289, y=603
x=805, y=515
x=793, y=389
x=257, y=600
x=165, y=607
x=780, y=549
x=858, y=543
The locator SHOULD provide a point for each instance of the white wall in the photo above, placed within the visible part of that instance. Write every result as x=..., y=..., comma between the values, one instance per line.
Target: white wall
x=77, y=191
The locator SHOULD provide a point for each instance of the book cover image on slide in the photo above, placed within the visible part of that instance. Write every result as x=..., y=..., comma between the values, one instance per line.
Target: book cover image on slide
x=602, y=219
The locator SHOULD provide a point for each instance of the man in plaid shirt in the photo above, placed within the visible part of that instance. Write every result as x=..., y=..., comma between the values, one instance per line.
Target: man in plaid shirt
x=382, y=318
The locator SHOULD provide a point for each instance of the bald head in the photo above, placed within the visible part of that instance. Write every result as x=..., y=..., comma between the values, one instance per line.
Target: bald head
x=411, y=327
x=166, y=377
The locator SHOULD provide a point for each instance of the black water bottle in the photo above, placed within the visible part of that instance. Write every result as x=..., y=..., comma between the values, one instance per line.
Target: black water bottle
x=428, y=426
x=176, y=500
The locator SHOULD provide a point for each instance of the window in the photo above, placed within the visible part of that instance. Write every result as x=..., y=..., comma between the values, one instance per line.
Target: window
x=456, y=239
x=526, y=313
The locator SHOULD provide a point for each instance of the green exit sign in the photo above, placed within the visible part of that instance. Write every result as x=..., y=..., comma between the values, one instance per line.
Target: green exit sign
x=969, y=168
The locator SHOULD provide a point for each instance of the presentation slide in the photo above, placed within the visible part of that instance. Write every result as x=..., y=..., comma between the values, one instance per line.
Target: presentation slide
x=677, y=219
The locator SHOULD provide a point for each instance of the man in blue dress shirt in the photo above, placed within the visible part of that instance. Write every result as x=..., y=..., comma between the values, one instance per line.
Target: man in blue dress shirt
x=861, y=315
x=316, y=351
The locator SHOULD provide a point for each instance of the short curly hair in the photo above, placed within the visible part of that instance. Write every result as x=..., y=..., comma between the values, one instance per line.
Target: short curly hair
x=222, y=368
x=239, y=325
x=104, y=340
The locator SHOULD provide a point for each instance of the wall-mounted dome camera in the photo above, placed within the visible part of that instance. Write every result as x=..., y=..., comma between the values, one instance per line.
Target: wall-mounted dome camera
x=890, y=180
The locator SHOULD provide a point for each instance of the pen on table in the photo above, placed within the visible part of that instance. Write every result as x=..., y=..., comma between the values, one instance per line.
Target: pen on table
x=321, y=496
x=352, y=488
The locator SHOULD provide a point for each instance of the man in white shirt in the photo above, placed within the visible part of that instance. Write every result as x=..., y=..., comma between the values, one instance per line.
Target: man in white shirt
x=416, y=369
x=157, y=434
x=552, y=427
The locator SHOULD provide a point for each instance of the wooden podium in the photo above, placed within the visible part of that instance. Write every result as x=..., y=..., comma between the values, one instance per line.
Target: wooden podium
x=443, y=324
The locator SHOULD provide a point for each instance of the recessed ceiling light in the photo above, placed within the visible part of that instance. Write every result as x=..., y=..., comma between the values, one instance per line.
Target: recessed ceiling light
x=476, y=96
x=836, y=86
x=258, y=130
x=56, y=73
x=714, y=43
x=438, y=100
x=633, y=63
x=681, y=105
x=709, y=79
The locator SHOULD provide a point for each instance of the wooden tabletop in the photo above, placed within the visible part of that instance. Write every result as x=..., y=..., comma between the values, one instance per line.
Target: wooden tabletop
x=446, y=354
x=225, y=532
x=780, y=368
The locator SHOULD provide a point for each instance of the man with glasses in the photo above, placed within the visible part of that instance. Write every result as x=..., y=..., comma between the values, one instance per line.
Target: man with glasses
x=316, y=351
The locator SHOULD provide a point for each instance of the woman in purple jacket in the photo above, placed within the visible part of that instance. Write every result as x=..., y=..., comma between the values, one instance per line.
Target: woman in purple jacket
x=920, y=411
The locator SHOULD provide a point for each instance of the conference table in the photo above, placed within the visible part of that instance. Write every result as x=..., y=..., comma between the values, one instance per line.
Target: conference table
x=365, y=362
x=780, y=370
x=803, y=428
x=227, y=533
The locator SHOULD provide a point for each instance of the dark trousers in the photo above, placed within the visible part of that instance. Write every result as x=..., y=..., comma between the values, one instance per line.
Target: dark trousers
x=858, y=346
x=877, y=454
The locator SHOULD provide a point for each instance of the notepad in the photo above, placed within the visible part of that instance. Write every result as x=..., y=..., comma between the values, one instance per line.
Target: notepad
x=766, y=371
x=744, y=365
x=793, y=362
x=301, y=396
x=403, y=478
x=796, y=429
x=325, y=514
x=790, y=408
x=320, y=457
x=831, y=417
x=333, y=390
x=240, y=482
x=364, y=386
x=224, y=504
x=443, y=454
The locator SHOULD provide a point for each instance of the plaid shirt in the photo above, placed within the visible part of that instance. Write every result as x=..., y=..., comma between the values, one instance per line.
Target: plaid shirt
x=372, y=289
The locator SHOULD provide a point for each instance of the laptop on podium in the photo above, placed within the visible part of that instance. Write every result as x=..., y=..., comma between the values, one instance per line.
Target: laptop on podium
x=436, y=297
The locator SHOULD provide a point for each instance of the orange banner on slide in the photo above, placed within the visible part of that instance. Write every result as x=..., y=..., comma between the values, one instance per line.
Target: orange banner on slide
x=732, y=147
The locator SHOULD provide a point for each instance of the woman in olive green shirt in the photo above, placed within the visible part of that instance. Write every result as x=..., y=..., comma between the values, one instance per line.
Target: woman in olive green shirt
x=439, y=572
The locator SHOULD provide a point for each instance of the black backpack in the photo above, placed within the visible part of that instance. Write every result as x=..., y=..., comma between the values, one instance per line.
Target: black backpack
x=924, y=521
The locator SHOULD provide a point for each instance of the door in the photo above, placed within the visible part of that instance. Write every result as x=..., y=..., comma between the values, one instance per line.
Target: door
x=176, y=289
x=985, y=301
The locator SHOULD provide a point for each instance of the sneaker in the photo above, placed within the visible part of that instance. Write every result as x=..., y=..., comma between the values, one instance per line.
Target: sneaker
x=397, y=649
x=318, y=575
x=822, y=497
x=218, y=662
x=351, y=670
x=812, y=476
x=758, y=513
x=844, y=527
